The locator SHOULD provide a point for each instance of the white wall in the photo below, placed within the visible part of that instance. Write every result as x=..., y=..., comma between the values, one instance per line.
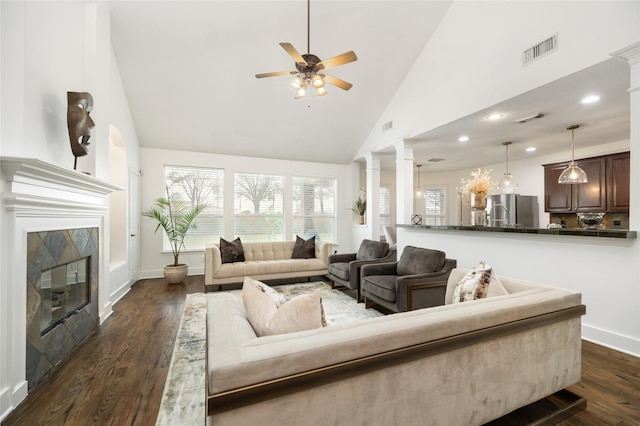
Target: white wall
x=47, y=49
x=603, y=270
x=152, y=187
x=473, y=60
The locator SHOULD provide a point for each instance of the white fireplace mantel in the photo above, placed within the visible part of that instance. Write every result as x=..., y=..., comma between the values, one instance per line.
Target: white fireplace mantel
x=38, y=196
x=39, y=186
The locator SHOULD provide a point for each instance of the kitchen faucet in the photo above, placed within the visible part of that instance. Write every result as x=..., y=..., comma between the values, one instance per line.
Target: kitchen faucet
x=506, y=212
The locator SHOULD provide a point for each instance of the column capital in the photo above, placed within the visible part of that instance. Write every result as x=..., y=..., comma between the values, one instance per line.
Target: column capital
x=629, y=54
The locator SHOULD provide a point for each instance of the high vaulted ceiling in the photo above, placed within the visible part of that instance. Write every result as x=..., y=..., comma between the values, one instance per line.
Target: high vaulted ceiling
x=188, y=69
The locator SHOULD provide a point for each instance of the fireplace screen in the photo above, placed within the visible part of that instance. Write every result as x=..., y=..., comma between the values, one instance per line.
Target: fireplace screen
x=65, y=290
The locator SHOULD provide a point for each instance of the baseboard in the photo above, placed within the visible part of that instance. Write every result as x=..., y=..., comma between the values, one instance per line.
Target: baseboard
x=115, y=296
x=157, y=273
x=10, y=400
x=611, y=340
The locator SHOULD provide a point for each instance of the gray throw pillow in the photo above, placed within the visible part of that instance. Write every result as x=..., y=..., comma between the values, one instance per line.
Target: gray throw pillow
x=304, y=249
x=231, y=251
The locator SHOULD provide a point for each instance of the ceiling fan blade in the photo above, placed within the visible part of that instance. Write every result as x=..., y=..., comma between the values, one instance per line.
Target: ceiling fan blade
x=338, y=82
x=342, y=59
x=294, y=53
x=275, y=74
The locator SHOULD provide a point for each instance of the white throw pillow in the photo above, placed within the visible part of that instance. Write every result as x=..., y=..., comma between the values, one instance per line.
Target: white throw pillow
x=276, y=296
x=298, y=314
x=478, y=283
x=495, y=286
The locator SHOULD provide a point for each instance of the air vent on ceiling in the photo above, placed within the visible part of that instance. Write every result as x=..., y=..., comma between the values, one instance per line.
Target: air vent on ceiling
x=539, y=50
x=386, y=126
x=529, y=117
x=435, y=160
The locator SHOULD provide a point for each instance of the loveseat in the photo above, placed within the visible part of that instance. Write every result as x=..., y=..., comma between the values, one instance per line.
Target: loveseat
x=263, y=261
x=457, y=364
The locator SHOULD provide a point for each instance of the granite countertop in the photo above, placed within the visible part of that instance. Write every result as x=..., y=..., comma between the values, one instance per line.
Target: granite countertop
x=602, y=233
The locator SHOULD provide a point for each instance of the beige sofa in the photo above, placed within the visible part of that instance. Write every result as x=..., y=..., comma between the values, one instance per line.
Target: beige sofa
x=457, y=364
x=263, y=261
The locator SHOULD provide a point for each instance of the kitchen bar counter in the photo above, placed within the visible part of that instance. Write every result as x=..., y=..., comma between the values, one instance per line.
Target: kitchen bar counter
x=600, y=233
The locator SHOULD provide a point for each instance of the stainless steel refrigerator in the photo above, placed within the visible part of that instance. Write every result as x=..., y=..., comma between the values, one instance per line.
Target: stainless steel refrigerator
x=512, y=210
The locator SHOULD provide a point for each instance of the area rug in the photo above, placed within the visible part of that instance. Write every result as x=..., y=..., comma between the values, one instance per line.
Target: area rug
x=183, y=400
x=338, y=307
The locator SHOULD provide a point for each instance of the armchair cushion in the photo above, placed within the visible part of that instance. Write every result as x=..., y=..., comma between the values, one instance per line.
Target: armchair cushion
x=384, y=287
x=416, y=260
x=340, y=270
x=370, y=250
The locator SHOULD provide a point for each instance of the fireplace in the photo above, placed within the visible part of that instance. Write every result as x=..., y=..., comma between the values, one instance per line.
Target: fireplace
x=64, y=290
x=62, y=295
x=54, y=288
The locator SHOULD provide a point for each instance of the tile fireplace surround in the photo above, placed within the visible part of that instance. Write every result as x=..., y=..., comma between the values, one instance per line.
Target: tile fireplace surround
x=41, y=201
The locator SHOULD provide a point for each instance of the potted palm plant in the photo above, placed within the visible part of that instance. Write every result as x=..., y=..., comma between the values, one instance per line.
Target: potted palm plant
x=176, y=217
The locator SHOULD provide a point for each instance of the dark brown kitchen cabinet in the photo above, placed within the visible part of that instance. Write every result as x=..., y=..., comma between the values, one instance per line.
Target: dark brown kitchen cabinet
x=607, y=189
x=618, y=172
x=557, y=197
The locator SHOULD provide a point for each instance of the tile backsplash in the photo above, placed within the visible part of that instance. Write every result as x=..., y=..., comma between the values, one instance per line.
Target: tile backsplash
x=611, y=220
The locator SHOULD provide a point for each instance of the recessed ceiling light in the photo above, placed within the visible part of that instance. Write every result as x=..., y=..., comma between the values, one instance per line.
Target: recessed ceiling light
x=463, y=138
x=495, y=116
x=591, y=99
x=531, y=149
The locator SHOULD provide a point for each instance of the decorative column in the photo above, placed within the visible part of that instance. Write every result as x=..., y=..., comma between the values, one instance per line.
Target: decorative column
x=631, y=55
x=404, y=181
x=373, y=195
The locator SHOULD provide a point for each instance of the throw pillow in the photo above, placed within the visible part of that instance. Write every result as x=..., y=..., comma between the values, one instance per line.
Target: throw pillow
x=298, y=314
x=495, y=286
x=279, y=298
x=231, y=251
x=474, y=285
x=304, y=249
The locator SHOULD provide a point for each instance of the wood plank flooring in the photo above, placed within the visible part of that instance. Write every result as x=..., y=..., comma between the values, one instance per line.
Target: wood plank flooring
x=116, y=376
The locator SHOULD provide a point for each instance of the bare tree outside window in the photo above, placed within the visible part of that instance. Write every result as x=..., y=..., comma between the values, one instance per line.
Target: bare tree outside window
x=259, y=207
x=199, y=185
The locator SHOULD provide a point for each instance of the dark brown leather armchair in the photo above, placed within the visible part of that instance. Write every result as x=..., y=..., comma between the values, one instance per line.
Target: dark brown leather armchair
x=344, y=268
x=418, y=280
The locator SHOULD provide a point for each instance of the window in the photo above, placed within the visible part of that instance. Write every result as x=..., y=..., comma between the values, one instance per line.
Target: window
x=436, y=205
x=198, y=186
x=385, y=208
x=314, y=208
x=258, y=207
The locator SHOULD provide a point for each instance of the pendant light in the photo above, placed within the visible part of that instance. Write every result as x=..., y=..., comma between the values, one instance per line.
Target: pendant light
x=573, y=173
x=419, y=192
x=508, y=184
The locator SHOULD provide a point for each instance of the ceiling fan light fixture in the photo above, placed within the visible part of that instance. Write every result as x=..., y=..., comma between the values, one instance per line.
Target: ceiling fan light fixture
x=317, y=80
x=301, y=93
x=308, y=80
x=297, y=82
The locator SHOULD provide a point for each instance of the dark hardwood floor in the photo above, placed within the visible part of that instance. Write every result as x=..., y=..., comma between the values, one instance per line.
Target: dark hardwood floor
x=116, y=376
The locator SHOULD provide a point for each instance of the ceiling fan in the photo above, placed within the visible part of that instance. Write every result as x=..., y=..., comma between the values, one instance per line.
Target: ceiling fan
x=308, y=79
